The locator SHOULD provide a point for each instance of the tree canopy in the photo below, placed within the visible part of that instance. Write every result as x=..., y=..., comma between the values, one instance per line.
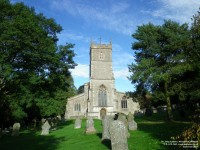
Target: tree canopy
x=166, y=58
x=34, y=71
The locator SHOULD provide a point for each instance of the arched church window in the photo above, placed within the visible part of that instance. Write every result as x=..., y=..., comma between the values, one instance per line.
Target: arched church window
x=124, y=102
x=102, y=96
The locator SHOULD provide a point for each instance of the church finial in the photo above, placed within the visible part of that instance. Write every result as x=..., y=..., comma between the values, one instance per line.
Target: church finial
x=100, y=40
x=91, y=42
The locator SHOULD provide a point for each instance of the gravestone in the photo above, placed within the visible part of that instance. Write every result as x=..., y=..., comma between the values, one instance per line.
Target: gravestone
x=106, y=123
x=118, y=135
x=43, y=120
x=45, y=128
x=132, y=125
x=130, y=116
x=59, y=117
x=90, y=126
x=122, y=117
x=53, y=123
x=78, y=122
x=15, y=129
x=6, y=130
x=154, y=110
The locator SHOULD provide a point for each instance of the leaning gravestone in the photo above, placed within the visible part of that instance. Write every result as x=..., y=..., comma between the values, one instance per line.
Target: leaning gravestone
x=78, y=122
x=90, y=126
x=15, y=130
x=45, y=128
x=106, y=123
x=118, y=135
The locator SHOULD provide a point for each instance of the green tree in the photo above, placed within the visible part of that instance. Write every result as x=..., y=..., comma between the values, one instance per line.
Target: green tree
x=34, y=71
x=81, y=89
x=160, y=59
x=194, y=59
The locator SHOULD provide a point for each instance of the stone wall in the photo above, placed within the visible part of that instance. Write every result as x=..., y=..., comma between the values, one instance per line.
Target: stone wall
x=79, y=99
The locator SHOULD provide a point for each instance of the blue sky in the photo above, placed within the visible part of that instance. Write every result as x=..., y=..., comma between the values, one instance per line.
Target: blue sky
x=112, y=20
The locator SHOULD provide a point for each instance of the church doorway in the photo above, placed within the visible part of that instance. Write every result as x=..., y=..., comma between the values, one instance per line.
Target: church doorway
x=102, y=113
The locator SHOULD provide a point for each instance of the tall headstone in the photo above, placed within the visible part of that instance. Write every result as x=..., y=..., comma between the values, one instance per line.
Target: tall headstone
x=122, y=117
x=15, y=130
x=90, y=126
x=78, y=122
x=106, y=123
x=118, y=135
x=132, y=125
x=45, y=128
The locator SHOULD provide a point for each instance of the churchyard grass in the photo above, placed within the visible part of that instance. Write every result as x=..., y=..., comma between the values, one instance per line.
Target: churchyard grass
x=151, y=131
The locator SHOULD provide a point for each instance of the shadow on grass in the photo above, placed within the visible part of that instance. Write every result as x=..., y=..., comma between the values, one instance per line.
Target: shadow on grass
x=65, y=123
x=30, y=140
x=163, y=131
x=105, y=142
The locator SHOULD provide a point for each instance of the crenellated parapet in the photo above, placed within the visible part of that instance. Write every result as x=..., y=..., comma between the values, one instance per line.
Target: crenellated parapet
x=101, y=46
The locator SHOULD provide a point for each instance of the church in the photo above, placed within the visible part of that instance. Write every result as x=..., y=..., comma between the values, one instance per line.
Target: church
x=100, y=97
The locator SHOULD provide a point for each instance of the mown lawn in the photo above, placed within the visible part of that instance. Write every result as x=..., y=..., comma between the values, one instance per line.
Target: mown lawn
x=151, y=131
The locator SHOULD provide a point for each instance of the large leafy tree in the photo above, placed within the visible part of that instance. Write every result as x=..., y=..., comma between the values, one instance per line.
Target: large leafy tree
x=34, y=71
x=160, y=52
x=194, y=59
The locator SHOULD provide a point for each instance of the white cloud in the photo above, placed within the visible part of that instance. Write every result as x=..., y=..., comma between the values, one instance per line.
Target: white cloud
x=116, y=47
x=81, y=70
x=72, y=36
x=178, y=10
x=113, y=16
x=119, y=7
x=123, y=73
x=122, y=59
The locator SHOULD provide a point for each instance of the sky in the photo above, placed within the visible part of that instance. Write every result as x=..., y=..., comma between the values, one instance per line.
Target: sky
x=113, y=21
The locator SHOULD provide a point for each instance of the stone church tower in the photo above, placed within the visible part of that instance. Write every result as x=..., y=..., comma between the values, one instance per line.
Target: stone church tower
x=101, y=78
x=100, y=97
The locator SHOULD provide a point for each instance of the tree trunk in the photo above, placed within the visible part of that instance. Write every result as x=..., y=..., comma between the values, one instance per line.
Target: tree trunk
x=169, y=109
x=168, y=101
